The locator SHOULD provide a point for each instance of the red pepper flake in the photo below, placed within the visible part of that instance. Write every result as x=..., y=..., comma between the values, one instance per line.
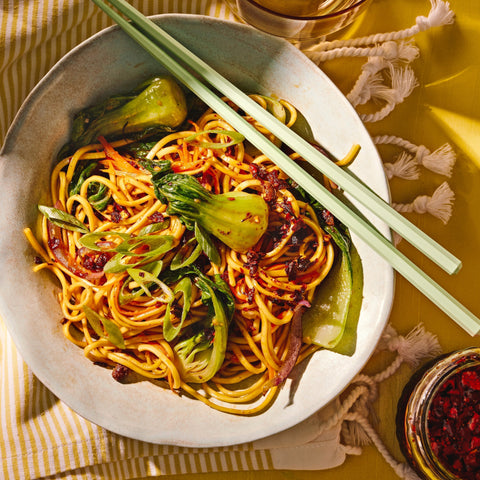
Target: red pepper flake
x=95, y=261
x=474, y=424
x=287, y=207
x=53, y=243
x=470, y=379
x=248, y=216
x=252, y=263
x=249, y=324
x=258, y=172
x=156, y=217
x=454, y=424
x=250, y=295
x=328, y=218
x=210, y=181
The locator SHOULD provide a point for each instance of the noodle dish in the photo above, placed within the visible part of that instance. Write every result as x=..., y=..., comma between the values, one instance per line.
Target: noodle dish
x=170, y=270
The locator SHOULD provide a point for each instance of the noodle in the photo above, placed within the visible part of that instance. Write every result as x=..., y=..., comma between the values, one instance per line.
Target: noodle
x=266, y=282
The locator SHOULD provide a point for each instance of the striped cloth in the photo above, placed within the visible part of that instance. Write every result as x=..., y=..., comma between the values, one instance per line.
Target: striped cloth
x=40, y=436
x=35, y=34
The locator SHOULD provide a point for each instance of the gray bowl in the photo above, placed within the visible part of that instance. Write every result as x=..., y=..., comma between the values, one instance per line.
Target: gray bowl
x=110, y=63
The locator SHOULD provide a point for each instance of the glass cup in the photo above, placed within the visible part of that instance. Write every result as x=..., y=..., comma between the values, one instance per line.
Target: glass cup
x=299, y=19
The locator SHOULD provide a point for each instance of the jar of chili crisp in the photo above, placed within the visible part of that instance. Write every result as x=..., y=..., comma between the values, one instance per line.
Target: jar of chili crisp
x=438, y=418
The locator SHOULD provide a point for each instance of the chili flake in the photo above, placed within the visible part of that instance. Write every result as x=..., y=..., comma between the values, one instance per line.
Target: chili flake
x=454, y=424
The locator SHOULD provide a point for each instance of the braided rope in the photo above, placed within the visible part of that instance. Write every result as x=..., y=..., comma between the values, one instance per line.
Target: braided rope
x=441, y=160
x=403, y=470
x=345, y=406
x=440, y=14
x=389, y=50
x=394, y=140
x=417, y=345
x=440, y=204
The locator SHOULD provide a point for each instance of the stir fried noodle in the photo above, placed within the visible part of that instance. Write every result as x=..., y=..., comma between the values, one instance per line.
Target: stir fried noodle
x=146, y=312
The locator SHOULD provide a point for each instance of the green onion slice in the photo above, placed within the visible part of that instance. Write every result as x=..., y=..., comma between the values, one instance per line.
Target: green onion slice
x=124, y=297
x=128, y=247
x=104, y=327
x=97, y=241
x=235, y=138
x=63, y=219
x=145, y=279
x=184, y=286
x=182, y=258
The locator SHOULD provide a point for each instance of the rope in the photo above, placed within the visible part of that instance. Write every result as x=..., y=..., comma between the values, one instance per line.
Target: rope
x=403, y=470
x=441, y=160
x=440, y=204
x=440, y=14
x=355, y=407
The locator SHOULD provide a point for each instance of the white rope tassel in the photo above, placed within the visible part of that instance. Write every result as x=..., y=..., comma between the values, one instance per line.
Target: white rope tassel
x=370, y=78
x=440, y=14
x=440, y=204
x=368, y=86
x=404, y=167
x=403, y=81
x=384, y=51
x=417, y=345
x=441, y=160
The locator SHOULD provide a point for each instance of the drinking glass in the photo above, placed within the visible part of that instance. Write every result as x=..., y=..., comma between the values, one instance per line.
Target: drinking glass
x=299, y=19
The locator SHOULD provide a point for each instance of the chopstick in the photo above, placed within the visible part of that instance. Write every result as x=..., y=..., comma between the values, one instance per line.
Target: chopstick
x=364, y=230
x=318, y=160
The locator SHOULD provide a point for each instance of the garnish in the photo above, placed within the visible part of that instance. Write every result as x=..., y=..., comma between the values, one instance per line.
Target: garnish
x=104, y=327
x=63, y=219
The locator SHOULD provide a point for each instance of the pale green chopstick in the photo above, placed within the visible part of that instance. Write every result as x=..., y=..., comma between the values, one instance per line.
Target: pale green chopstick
x=341, y=177
x=363, y=229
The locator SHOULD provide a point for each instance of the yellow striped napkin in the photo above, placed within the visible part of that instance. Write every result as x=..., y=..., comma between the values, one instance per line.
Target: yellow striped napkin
x=39, y=435
x=35, y=34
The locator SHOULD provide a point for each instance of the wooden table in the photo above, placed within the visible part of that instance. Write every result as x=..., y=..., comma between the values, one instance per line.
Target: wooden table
x=445, y=107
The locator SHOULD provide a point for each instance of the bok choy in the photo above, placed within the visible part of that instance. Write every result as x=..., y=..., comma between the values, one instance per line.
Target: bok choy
x=158, y=105
x=201, y=349
x=238, y=219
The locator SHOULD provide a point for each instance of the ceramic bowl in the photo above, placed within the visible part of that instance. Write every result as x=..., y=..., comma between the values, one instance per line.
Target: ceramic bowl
x=110, y=63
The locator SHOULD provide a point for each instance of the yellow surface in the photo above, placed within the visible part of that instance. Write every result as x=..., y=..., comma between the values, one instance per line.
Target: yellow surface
x=444, y=108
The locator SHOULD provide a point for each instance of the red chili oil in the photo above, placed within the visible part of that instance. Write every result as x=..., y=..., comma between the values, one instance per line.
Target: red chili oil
x=438, y=418
x=454, y=424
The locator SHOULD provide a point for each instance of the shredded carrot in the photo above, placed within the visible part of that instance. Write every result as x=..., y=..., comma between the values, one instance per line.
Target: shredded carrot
x=119, y=162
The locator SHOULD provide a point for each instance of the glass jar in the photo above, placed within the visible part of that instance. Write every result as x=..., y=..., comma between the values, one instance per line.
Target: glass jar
x=438, y=418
